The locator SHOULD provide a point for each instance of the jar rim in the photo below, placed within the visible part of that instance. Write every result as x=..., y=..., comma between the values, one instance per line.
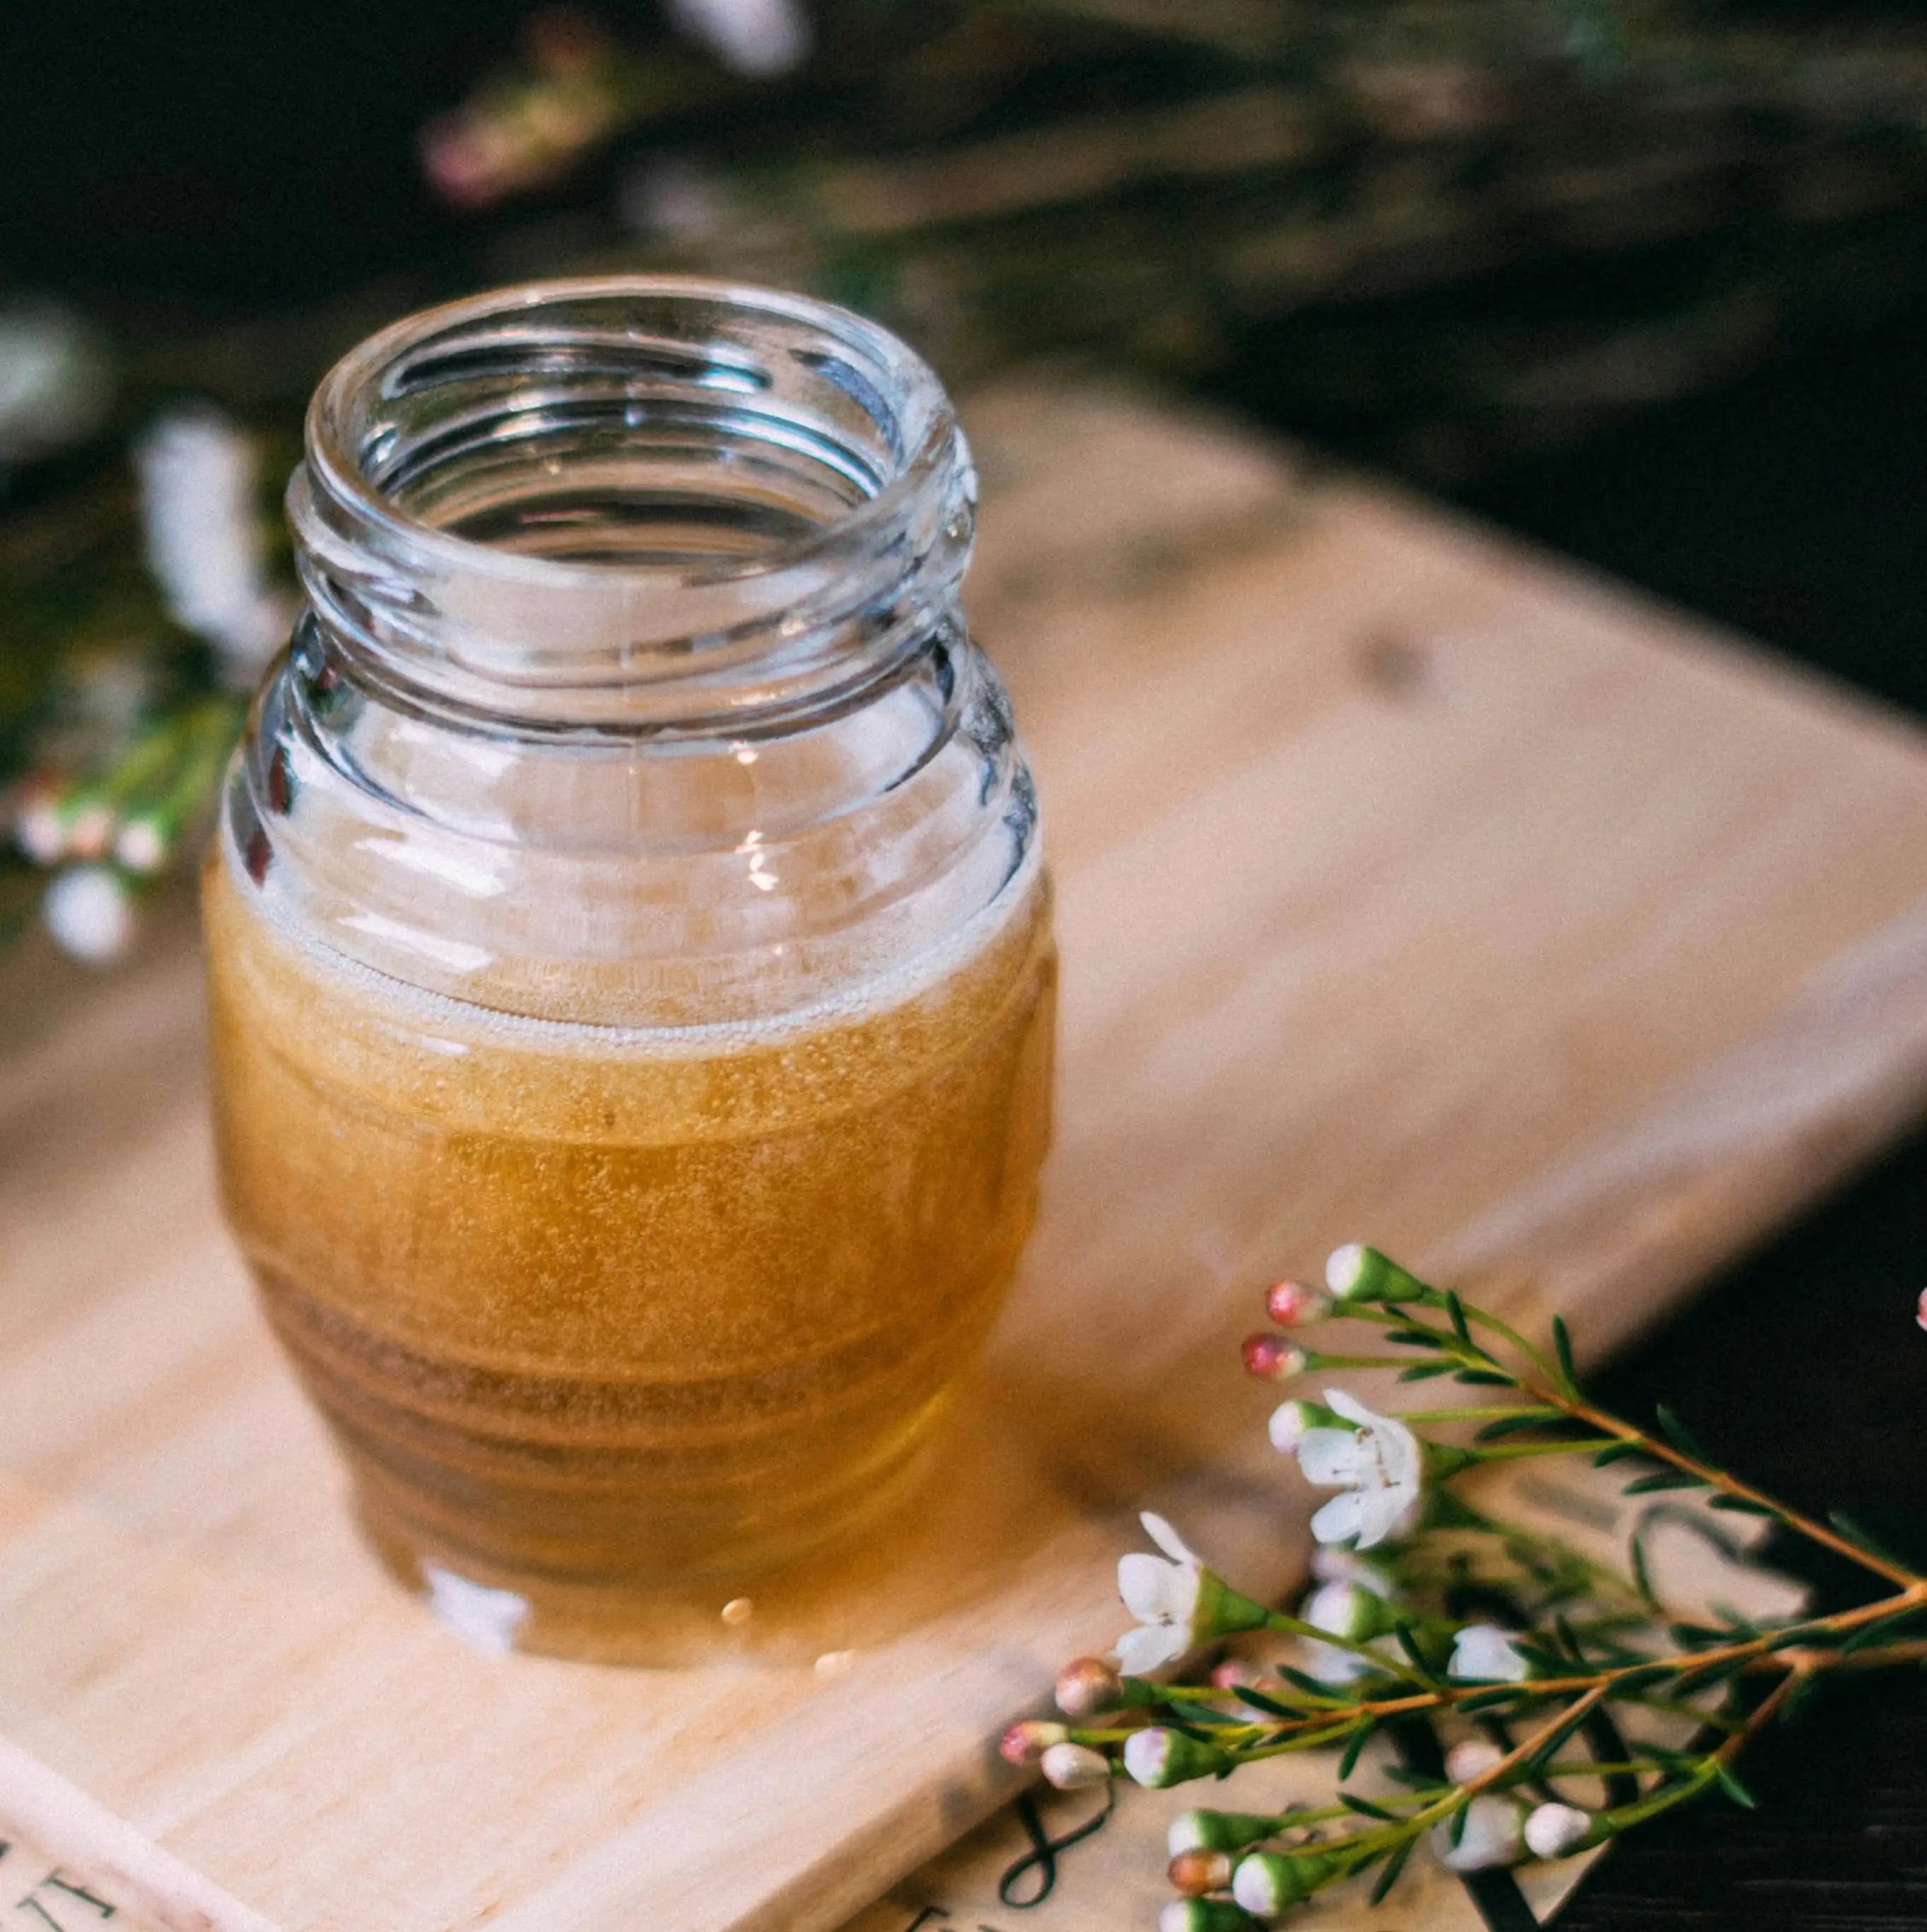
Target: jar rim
x=834, y=538
x=329, y=454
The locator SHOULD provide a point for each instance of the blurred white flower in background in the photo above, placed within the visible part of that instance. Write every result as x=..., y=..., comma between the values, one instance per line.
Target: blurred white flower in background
x=198, y=505
x=54, y=382
x=1492, y=1834
x=755, y=36
x=90, y=913
x=1484, y=1652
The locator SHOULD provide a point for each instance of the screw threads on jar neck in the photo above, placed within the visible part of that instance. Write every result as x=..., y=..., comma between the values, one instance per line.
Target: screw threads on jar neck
x=630, y=504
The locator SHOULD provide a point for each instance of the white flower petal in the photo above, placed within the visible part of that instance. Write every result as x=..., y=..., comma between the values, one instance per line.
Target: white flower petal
x=1167, y=1539
x=1331, y=1665
x=1399, y=1452
x=1339, y=1519
x=1343, y=1401
x=1472, y=1757
x=1332, y=1459
x=1144, y=1583
x=1382, y=1514
x=1492, y=1836
x=1149, y=1647
x=1484, y=1650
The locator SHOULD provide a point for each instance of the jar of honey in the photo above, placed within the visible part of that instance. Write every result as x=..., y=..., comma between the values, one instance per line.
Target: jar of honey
x=629, y=951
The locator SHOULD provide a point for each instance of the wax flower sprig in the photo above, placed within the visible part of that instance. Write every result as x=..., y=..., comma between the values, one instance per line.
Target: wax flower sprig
x=1517, y=1683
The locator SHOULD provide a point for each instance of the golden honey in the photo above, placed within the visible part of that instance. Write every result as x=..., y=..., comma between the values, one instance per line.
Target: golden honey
x=600, y=1303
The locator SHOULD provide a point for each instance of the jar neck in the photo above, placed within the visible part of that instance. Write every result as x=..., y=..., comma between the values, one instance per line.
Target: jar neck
x=633, y=505
x=633, y=689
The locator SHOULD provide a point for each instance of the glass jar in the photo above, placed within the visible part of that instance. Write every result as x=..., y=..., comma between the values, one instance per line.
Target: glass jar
x=631, y=972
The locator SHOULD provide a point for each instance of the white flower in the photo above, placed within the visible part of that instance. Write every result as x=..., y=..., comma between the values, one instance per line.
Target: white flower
x=1071, y=1766
x=1345, y=1609
x=1491, y=1836
x=1553, y=1830
x=1330, y=1565
x=1472, y=1758
x=204, y=537
x=90, y=914
x=755, y=36
x=1485, y=1652
x=1157, y=1757
x=55, y=384
x=1163, y=1595
x=1378, y=1467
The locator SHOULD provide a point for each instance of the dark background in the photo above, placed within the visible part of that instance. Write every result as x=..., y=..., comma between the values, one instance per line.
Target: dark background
x=192, y=161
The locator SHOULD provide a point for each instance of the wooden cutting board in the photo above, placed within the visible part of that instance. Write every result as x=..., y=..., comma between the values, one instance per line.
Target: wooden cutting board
x=1412, y=886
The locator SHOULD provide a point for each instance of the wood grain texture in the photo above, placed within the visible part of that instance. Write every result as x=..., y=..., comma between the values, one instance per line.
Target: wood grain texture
x=1409, y=886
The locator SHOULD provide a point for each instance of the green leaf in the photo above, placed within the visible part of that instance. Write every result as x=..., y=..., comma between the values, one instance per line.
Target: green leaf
x=1734, y=1788
x=1321, y=1691
x=1425, y=1371
x=1458, y=1830
x=1643, y=1679
x=1456, y=1314
x=1616, y=1452
x=1642, y=1578
x=1562, y=1342
x=1489, y=1377
x=1354, y=1745
x=1259, y=1701
x=1740, y=1506
x=1366, y=1808
x=1794, y=1709
x=1408, y=1642
x=1709, y=1675
x=1694, y=1636
x=1511, y=1425
x=1862, y=1539
x=1677, y=1432
x=1208, y=1715
x=1394, y=1865
x=1666, y=1479
x=1877, y=1632
x=1413, y=1338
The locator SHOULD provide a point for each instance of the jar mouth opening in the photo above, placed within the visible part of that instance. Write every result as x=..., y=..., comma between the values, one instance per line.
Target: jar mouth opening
x=661, y=430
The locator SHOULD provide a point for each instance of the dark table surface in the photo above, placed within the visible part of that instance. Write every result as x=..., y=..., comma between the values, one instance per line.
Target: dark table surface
x=1790, y=507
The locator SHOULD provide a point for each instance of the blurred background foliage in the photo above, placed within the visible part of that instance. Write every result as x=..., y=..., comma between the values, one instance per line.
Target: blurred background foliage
x=1455, y=237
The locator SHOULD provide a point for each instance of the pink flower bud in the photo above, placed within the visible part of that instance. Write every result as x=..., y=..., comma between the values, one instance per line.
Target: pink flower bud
x=1196, y=1873
x=1920, y=1308
x=1027, y=1742
x=1291, y=1304
x=1272, y=1359
x=1087, y=1685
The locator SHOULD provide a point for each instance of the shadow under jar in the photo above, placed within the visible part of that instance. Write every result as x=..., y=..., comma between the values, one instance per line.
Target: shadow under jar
x=630, y=971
